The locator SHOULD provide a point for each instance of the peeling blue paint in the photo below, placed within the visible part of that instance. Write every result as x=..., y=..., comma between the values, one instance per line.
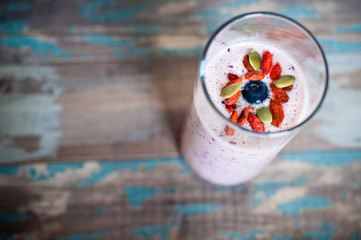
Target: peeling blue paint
x=19, y=6
x=354, y=236
x=325, y=232
x=110, y=167
x=52, y=170
x=10, y=218
x=355, y=28
x=296, y=11
x=136, y=194
x=270, y=188
x=44, y=48
x=324, y=158
x=236, y=235
x=344, y=192
x=294, y=207
x=237, y=4
x=121, y=47
x=284, y=237
x=100, y=210
x=213, y=18
x=110, y=10
x=195, y=209
x=149, y=232
x=13, y=27
x=9, y=170
x=338, y=46
x=80, y=236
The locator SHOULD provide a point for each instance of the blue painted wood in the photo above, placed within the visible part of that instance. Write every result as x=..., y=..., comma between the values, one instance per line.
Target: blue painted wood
x=306, y=194
x=147, y=186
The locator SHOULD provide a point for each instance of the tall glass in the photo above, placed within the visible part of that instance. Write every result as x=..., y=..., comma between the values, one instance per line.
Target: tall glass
x=215, y=158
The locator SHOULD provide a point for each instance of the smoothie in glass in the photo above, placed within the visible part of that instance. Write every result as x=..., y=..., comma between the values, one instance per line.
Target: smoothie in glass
x=225, y=157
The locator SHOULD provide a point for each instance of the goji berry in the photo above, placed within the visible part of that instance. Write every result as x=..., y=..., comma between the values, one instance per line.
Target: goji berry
x=234, y=118
x=256, y=124
x=230, y=109
x=287, y=89
x=279, y=94
x=254, y=75
x=247, y=64
x=244, y=115
x=232, y=100
x=267, y=62
x=275, y=72
x=277, y=112
x=232, y=76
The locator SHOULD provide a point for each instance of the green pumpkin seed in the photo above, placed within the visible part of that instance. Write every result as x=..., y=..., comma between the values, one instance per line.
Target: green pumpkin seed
x=231, y=89
x=264, y=114
x=285, y=81
x=255, y=59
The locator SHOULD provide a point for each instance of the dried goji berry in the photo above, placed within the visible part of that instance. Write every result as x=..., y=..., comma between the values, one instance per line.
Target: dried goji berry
x=254, y=75
x=247, y=64
x=279, y=94
x=232, y=76
x=232, y=100
x=287, y=89
x=275, y=72
x=267, y=62
x=277, y=112
x=255, y=123
x=234, y=118
x=244, y=115
x=230, y=109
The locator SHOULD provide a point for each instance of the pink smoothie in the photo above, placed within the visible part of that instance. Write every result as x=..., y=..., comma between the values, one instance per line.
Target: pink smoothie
x=230, y=160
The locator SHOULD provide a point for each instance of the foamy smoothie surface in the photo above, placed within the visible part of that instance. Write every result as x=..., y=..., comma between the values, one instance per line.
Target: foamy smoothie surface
x=231, y=60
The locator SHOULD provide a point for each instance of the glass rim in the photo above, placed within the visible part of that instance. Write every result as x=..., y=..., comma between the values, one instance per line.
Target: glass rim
x=201, y=70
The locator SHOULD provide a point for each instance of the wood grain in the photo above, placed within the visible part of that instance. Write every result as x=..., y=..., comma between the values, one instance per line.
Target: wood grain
x=161, y=200
x=93, y=95
x=118, y=77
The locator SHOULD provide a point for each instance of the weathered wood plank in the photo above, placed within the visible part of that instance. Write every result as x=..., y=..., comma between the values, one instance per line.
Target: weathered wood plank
x=160, y=199
x=78, y=31
x=134, y=109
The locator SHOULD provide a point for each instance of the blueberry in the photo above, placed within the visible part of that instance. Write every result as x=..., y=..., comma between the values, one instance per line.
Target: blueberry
x=255, y=92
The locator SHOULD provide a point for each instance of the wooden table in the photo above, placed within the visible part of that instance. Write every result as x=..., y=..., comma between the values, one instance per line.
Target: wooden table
x=93, y=94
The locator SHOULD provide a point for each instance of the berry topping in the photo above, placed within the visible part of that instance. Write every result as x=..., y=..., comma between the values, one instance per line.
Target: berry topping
x=255, y=92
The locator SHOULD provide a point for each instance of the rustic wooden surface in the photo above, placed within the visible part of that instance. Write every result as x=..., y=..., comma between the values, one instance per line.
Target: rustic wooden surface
x=93, y=94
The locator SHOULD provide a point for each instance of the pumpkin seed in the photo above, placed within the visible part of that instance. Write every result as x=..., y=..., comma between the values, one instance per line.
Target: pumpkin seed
x=285, y=81
x=264, y=114
x=231, y=89
x=255, y=59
